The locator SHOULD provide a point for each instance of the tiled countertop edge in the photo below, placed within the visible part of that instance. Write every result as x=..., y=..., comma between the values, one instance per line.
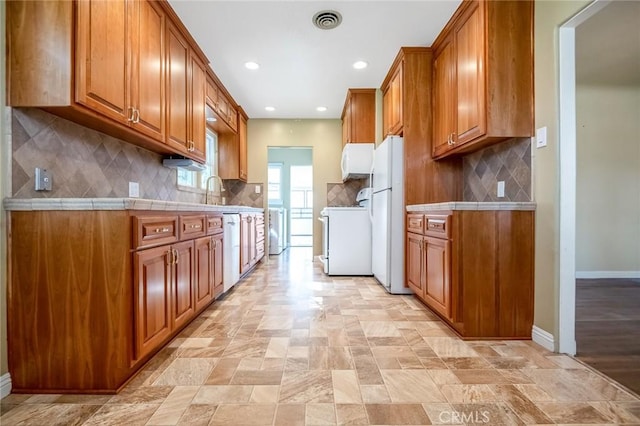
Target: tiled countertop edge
x=33, y=204
x=467, y=205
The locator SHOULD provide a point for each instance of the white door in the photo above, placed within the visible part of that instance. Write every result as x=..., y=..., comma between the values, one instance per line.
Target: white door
x=380, y=236
x=381, y=166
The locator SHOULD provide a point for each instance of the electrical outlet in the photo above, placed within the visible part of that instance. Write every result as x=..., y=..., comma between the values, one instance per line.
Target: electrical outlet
x=500, y=192
x=541, y=137
x=43, y=179
x=257, y=189
x=134, y=190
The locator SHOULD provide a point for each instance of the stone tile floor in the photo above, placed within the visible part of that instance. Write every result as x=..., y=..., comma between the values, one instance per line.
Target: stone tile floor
x=291, y=346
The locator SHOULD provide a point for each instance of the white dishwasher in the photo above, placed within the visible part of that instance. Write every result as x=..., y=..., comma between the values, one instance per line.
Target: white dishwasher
x=231, y=251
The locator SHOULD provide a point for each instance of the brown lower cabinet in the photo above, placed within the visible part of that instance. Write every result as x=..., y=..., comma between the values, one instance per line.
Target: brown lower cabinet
x=93, y=295
x=474, y=269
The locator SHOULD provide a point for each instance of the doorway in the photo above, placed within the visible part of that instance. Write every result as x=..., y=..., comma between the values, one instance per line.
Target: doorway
x=290, y=189
x=600, y=189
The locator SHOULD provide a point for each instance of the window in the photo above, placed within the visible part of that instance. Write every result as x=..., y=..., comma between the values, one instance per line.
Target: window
x=274, y=183
x=199, y=179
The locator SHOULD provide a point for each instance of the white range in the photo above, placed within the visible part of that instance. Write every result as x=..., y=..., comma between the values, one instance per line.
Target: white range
x=346, y=241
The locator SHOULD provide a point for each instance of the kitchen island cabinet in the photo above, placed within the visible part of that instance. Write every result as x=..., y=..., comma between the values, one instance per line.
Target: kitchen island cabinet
x=97, y=286
x=483, y=76
x=251, y=240
x=472, y=264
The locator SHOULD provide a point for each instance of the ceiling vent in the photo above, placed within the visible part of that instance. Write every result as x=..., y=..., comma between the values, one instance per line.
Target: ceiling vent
x=327, y=19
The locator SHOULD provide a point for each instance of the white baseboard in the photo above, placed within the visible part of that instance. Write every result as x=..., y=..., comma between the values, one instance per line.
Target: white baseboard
x=543, y=338
x=5, y=385
x=607, y=274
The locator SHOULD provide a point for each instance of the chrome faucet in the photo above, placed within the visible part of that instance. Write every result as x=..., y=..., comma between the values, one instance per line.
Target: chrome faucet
x=207, y=187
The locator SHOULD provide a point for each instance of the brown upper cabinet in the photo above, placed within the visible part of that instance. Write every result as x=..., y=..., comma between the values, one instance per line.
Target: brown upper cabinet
x=221, y=104
x=359, y=116
x=483, y=76
x=392, y=121
x=232, y=148
x=128, y=68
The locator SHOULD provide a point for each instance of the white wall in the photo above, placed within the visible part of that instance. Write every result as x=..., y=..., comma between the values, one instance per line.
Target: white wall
x=608, y=181
x=323, y=136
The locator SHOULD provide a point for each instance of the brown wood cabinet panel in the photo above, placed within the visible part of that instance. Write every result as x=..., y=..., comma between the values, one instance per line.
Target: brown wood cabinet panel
x=242, y=149
x=192, y=226
x=359, y=116
x=198, y=125
x=102, y=37
x=516, y=272
x=415, y=223
x=214, y=224
x=154, y=230
x=445, y=108
x=204, y=270
x=152, y=304
x=415, y=264
x=69, y=300
x=182, y=282
x=437, y=292
x=147, y=70
x=177, y=90
x=217, y=259
x=232, y=149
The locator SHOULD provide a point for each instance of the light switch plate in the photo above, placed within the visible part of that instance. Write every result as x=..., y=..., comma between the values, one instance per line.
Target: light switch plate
x=43, y=179
x=134, y=190
x=541, y=137
x=500, y=191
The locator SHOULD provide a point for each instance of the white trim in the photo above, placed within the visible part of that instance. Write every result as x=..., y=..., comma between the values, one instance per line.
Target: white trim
x=543, y=338
x=607, y=274
x=567, y=177
x=5, y=385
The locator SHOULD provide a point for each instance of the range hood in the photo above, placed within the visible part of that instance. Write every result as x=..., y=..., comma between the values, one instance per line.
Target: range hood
x=179, y=162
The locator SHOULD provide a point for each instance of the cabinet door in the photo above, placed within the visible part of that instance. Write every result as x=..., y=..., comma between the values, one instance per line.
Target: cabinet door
x=177, y=90
x=444, y=73
x=471, y=109
x=152, y=299
x=415, y=264
x=437, y=273
x=245, y=242
x=102, y=40
x=147, y=70
x=198, y=141
x=395, y=118
x=242, y=135
x=217, y=264
x=182, y=282
x=203, y=270
x=347, y=122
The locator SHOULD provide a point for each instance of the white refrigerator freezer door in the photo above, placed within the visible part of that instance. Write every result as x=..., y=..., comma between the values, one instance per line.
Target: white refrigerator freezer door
x=380, y=236
x=382, y=166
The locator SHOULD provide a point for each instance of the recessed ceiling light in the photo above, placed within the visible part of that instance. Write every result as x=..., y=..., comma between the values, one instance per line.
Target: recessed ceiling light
x=321, y=109
x=251, y=65
x=269, y=108
x=359, y=65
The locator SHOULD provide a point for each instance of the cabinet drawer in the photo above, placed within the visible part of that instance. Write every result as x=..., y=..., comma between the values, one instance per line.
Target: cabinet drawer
x=260, y=232
x=415, y=223
x=259, y=218
x=154, y=230
x=437, y=225
x=259, y=249
x=192, y=226
x=214, y=225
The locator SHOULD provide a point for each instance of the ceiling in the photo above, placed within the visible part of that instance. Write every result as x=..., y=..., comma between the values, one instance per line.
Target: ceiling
x=608, y=46
x=303, y=67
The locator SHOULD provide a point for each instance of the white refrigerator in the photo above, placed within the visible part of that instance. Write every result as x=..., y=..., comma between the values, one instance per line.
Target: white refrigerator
x=387, y=215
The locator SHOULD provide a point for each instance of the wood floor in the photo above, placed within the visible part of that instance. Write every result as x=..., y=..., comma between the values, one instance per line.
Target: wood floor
x=608, y=328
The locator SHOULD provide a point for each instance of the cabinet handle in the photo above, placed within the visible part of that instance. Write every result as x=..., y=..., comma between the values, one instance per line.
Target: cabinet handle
x=453, y=135
x=249, y=218
x=169, y=259
x=161, y=230
x=136, y=116
x=175, y=256
x=195, y=226
x=130, y=114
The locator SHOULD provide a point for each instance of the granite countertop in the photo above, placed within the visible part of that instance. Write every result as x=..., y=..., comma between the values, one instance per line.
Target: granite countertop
x=30, y=204
x=470, y=205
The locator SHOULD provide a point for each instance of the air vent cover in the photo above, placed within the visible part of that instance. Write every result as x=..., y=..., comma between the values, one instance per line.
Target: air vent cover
x=327, y=19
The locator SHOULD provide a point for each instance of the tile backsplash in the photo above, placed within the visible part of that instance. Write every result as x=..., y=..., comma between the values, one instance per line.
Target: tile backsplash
x=239, y=193
x=344, y=194
x=85, y=164
x=509, y=161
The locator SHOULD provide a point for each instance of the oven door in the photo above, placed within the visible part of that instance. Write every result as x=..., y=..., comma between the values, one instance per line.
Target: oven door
x=324, y=257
